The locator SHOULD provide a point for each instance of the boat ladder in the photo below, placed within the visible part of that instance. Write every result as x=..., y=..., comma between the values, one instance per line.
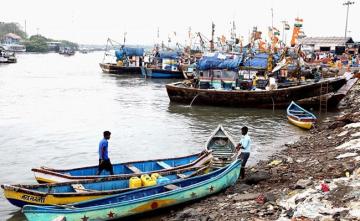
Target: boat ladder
x=324, y=90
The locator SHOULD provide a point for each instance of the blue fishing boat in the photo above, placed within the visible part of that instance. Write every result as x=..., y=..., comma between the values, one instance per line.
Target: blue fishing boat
x=165, y=65
x=140, y=201
x=123, y=170
x=162, y=73
x=300, y=117
x=73, y=192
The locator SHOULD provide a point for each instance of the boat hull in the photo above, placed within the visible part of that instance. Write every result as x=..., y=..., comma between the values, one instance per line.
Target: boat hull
x=279, y=98
x=49, y=175
x=115, y=69
x=67, y=193
x=162, y=74
x=301, y=124
x=300, y=117
x=145, y=204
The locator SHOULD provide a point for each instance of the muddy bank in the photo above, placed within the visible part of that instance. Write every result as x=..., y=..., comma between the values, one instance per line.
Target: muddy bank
x=316, y=178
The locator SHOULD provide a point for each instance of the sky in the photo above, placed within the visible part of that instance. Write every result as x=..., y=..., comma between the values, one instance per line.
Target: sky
x=92, y=22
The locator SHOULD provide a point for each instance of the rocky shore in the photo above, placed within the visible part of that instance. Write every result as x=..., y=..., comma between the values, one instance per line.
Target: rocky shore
x=316, y=178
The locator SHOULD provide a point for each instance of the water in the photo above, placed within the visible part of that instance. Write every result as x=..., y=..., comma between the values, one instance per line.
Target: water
x=53, y=110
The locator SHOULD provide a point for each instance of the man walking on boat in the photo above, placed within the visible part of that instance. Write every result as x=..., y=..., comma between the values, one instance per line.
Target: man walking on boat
x=244, y=144
x=104, y=160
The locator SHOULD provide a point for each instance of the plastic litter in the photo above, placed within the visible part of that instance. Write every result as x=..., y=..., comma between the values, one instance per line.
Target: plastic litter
x=275, y=162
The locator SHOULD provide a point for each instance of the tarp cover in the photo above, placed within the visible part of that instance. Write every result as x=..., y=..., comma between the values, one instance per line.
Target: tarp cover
x=169, y=54
x=127, y=51
x=258, y=61
x=219, y=61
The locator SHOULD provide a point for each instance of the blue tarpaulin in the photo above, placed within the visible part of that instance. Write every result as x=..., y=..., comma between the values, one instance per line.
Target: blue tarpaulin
x=219, y=62
x=127, y=51
x=258, y=61
x=169, y=54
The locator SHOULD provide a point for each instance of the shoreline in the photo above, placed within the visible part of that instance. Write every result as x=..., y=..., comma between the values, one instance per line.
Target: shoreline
x=314, y=178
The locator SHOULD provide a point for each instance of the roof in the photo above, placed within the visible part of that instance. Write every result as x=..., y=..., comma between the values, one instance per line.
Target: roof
x=325, y=40
x=13, y=36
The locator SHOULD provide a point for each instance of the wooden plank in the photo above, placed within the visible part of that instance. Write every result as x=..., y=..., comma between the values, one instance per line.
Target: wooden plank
x=167, y=166
x=171, y=187
x=164, y=165
x=133, y=168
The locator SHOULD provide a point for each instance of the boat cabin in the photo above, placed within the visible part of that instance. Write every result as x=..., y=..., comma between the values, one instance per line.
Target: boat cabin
x=166, y=60
x=129, y=57
x=218, y=79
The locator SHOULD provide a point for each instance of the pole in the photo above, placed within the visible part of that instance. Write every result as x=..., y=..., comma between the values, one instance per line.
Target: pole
x=212, y=37
x=25, y=29
x=283, y=32
x=272, y=18
x=348, y=3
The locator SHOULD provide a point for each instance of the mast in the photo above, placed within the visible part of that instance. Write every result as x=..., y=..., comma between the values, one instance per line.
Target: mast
x=125, y=33
x=212, y=37
x=348, y=3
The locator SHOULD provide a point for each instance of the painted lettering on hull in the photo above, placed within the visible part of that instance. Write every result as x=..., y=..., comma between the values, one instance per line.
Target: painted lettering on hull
x=36, y=199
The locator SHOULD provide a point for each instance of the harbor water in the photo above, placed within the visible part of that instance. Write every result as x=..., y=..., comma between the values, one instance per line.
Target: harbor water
x=53, y=110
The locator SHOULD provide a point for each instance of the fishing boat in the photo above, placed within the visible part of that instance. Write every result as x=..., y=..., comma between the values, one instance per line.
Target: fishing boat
x=68, y=51
x=124, y=170
x=164, y=65
x=300, y=117
x=142, y=200
x=77, y=191
x=186, y=93
x=162, y=73
x=7, y=56
x=122, y=59
x=113, y=68
x=222, y=146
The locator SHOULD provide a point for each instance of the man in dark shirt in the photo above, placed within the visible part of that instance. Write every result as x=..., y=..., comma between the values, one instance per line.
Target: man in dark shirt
x=104, y=160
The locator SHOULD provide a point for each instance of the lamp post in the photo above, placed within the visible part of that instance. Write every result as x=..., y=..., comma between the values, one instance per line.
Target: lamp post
x=348, y=3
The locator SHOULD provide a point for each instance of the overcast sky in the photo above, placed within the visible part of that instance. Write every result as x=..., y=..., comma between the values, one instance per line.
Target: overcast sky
x=94, y=21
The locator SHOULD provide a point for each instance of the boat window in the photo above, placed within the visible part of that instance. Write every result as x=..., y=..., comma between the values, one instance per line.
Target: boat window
x=228, y=74
x=217, y=73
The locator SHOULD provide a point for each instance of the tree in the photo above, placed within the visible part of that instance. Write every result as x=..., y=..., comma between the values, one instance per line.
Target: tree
x=11, y=27
x=37, y=43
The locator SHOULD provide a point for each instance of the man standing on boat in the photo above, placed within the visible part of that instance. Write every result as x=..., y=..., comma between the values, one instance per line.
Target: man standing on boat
x=244, y=144
x=104, y=160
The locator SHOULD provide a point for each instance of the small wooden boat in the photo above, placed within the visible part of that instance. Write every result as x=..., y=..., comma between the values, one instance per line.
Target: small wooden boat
x=124, y=170
x=222, y=146
x=142, y=200
x=161, y=73
x=300, y=117
x=72, y=192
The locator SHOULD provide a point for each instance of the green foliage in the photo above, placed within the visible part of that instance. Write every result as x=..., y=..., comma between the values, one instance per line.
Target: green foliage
x=11, y=28
x=36, y=43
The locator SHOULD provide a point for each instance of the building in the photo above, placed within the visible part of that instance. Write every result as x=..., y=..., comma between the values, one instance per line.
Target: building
x=53, y=45
x=334, y=44
x=11, y=38
x=12, y=42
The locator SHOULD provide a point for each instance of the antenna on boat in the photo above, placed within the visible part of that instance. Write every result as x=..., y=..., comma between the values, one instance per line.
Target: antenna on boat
x=125, y=33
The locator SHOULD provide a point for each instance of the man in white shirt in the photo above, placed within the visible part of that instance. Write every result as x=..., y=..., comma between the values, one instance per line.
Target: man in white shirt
x=245, y=145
